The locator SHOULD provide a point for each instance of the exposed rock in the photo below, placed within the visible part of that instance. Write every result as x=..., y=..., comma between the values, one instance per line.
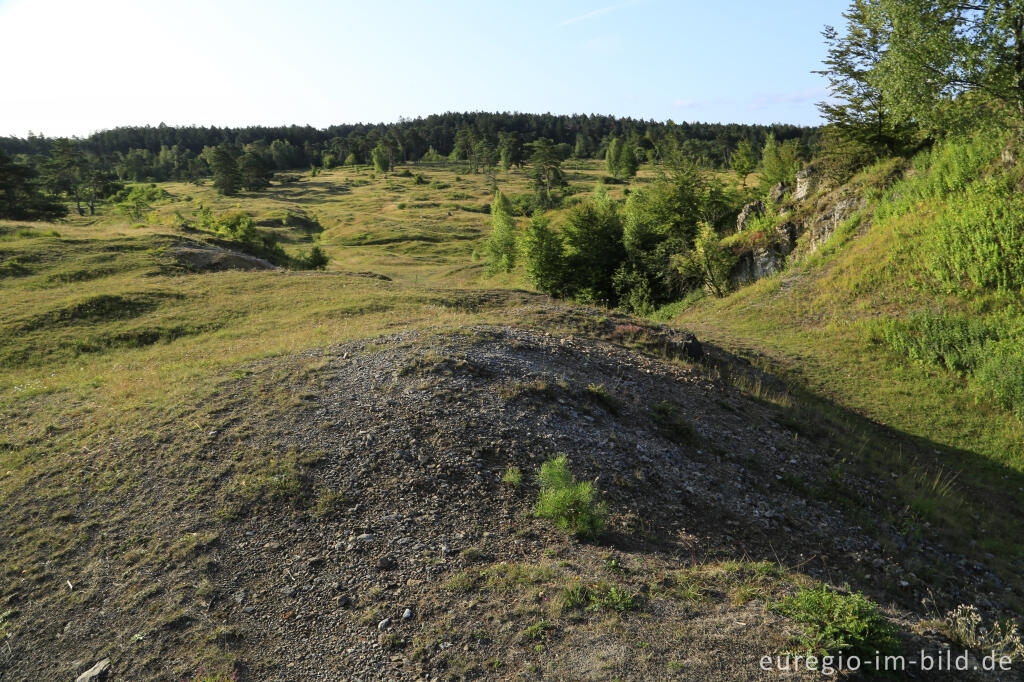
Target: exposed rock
x=755, y=209
x=200, y=257
x=827, y=222
x=760, y=263
x=777, y=191
x=805, y=184
x=691, y=347
x=97, y=672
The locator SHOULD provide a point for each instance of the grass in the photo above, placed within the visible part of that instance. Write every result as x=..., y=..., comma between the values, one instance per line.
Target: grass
x=568, y=502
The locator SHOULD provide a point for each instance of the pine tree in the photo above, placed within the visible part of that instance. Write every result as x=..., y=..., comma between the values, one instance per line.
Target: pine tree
x=743, y=160
x=381, y=160
x=502, y=247
x=543, y=252
x=254, y=173
x=226, y=177
x=613, y=156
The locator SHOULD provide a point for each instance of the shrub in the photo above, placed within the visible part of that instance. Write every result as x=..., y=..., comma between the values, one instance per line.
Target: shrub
x=567, y=502
x=834, y=623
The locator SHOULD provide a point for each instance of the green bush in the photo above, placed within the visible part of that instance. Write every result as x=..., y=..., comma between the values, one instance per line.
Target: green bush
x=834, y=623
x=568, y=502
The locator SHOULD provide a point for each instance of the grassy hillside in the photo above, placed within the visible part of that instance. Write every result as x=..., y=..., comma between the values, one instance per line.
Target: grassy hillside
x=261, y=471
x=871, y=323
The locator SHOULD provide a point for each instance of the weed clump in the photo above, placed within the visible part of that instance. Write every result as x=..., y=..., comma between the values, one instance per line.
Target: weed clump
x=835, y=623
x=568, y=502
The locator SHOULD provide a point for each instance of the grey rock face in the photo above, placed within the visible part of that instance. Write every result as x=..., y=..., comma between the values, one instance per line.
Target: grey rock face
x=805, y=185
x=754, y=209
x=97, y=672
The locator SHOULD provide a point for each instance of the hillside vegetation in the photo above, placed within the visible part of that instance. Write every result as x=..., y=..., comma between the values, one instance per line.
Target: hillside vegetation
x=211, y=455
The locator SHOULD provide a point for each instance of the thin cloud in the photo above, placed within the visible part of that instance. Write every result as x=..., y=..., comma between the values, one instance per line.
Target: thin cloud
x=783, y=98
x=596, y=13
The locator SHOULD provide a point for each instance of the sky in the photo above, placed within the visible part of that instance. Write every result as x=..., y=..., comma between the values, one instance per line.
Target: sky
x=72, y=67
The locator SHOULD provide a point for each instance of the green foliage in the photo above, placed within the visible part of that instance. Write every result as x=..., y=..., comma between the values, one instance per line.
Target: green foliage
x=543, y=251
x=317, y=259
x=254, y=172
x=513, y=477
x=978, y=238
x=953, y=341
x=988, y=350
x=502, y=246
x=545, y=169
x=600, y=597
x=21, y=197
x=942, y=171
x=381, y=159
x=227, y=179
x=136, y=202
x=567, y=502
x=834, y=623
x=1001, y=374
x=779, y=162
x=743, y=160
x=859, y=112
x=593, y=239
x=708, y=262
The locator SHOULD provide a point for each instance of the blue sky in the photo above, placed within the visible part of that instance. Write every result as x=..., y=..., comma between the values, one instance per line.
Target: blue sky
x=72, y=67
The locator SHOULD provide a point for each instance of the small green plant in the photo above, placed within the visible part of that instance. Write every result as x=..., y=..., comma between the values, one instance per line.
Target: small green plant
x=568, y=502
x=603, y=397
x=513, y=477
x=402, y=205
x=600, y=597
x=835, y=622
x=536, y=632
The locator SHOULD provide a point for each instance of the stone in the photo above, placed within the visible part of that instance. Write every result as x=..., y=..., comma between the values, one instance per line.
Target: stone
x=407, y=614
x=386, y=563
x=754, y=209
x=384, y=623
x=805, y=184
x=97, y=672
x=777, y=191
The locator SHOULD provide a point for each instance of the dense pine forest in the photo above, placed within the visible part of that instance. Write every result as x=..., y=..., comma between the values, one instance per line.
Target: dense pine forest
x=154, y=154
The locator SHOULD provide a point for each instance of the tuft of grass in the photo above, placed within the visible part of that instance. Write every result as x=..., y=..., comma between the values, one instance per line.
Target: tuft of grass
x=513, y=477
x=839, y=623
x=568, y=502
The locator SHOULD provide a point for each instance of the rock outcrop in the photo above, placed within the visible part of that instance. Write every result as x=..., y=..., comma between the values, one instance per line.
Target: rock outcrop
x=805, y=185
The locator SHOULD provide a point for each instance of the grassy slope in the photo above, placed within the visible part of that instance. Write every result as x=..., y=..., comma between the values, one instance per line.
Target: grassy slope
x=962, y=459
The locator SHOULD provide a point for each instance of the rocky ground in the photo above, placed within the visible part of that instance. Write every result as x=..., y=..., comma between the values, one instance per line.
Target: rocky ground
x=399, y=552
